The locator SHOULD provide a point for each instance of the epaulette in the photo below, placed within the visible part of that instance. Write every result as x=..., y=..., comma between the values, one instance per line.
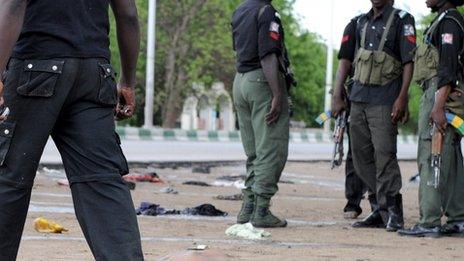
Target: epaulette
x=402, y=14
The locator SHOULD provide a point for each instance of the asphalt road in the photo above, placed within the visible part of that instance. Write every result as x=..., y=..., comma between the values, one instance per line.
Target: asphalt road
x=180, y=151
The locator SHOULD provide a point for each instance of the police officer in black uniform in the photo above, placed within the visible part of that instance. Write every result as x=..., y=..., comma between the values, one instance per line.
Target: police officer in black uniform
x=354, y=186
x=260, y=98
x=385, y=39
x=59, y=82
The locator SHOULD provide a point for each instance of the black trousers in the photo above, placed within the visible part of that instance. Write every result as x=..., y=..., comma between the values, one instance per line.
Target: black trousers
x=354, y=186
x=72, y=100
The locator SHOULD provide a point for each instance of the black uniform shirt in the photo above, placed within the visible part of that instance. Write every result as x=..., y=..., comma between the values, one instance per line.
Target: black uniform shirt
x=64, y=28
x=401, y=42
x=256, y=36
x=448, y=39
x=348, y=45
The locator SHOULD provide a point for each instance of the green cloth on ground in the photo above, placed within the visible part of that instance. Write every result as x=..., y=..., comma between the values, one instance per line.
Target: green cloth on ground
x=247, y=231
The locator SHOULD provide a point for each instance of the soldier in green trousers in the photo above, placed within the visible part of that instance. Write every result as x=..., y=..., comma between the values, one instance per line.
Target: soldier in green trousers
x=439, y=71
x=260, y=98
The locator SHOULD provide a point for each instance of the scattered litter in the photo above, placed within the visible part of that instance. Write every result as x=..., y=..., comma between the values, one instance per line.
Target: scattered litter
x=150, y=209
x=286, y=182
x=131, y=185
x=197, y=183
x=210, y=255
x=42, y=225
x=202, y=170
x=147, y=177
x=247, y=231
x=198, y=248
x=52, y=171
x=232, y=178
x=204, y=210
x=240, y=184
x=63, y=182
x=236, y=197
x=168, y=190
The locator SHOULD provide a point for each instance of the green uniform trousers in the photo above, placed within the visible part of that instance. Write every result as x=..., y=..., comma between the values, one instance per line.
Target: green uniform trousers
x=448, y=199
x=374, y=147
x=266, y=146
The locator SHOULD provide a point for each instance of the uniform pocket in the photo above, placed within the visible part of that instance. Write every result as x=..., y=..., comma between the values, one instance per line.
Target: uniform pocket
x=39, y=77
x=108, y=92
x=124, y=166
x=6, y=134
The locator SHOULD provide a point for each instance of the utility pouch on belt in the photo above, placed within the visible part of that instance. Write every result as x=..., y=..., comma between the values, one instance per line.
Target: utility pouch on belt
x=376, y=67
x=455, y=102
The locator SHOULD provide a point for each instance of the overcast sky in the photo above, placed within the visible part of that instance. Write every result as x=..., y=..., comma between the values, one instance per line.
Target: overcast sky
x=315, y=14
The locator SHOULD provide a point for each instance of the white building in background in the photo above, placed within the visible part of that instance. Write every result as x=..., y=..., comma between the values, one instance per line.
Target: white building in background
x=211, y=110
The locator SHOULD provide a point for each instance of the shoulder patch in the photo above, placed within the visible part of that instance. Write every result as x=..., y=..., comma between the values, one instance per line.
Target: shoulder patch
x=402, y=14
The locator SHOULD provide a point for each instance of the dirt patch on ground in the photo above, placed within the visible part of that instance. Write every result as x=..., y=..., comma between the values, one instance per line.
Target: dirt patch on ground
x=312, y=199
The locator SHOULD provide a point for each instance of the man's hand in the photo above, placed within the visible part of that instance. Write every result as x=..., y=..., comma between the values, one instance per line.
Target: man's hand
x=406, y=116
x=438, y=117
x=126, y=105
x=399, y=110
x=338, y=105
x=276, y=109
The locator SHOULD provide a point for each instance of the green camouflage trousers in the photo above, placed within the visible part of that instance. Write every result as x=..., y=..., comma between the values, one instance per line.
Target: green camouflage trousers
x=266, y=146
x=448, y=199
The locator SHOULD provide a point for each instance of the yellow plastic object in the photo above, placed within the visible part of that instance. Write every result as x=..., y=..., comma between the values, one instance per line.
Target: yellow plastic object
x=42, y=225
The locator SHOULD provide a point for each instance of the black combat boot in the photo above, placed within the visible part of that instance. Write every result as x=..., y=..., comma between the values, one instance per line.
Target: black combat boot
x=262, y=216
x=421, y=230
x=374, y=219
x=248, y=206
x=395, y=213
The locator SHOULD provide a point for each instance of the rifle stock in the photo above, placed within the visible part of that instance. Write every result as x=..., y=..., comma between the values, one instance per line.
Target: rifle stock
x=436, y=157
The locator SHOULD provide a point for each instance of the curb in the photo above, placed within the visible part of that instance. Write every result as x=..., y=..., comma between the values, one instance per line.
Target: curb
x=131, y=133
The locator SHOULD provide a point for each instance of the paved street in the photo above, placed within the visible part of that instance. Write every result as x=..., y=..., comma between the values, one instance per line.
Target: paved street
x=181, y=151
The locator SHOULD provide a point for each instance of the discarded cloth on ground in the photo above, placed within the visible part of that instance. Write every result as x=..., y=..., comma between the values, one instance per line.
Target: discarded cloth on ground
x=42, y=225
x=247, y=231
x=150, y=209
x=197, y=183
x=236, y=197
x=145, y=177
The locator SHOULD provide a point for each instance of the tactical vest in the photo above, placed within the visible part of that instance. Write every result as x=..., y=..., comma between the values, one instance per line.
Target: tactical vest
x=376, y=68
x=427, y=60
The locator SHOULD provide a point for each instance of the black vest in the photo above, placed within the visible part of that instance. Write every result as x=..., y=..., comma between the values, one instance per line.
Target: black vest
x=64, y=28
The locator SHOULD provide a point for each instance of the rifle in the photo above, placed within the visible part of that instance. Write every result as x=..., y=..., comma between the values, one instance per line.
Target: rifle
x=339, y=132
x=436, y=159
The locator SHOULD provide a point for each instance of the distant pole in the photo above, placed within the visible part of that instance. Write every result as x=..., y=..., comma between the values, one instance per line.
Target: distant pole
x=151, y=52
x=329, y=70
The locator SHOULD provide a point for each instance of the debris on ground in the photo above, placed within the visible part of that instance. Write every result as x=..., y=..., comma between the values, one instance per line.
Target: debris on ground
x=168, y=190
x=209, y=255
x=197, y=183
x=42, y=225
x=247, y=231
x=131, y=185
x=198, y=247
x=150, y=209
x=236, y=197
x=240, y=184
x=63, y=182
x=143, y=177
x=202, y=170
x=286, y=182
x=204, y=210
x=232, y=178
